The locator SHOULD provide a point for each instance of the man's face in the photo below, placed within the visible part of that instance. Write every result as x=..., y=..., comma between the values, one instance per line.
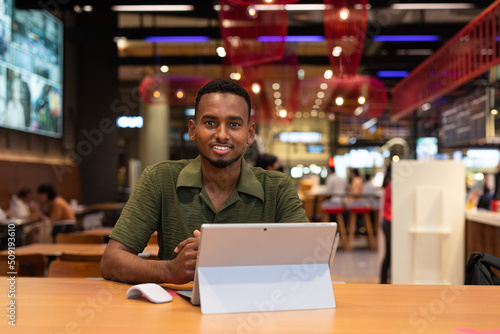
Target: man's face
x=221, y=128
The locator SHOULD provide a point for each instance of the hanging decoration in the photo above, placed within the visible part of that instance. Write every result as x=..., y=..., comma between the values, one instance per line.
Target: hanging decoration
x=171, y=89
x=359, y=95
x=345, y=29
x=252, y=36
x=274, y=87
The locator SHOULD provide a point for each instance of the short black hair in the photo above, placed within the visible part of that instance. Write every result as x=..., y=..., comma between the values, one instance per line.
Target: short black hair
x=265, y=160
x=47, y=189
x=223, y=86
x=23, y=193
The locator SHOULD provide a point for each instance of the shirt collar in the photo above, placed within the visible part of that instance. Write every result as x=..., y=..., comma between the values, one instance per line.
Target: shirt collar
x=190, y=176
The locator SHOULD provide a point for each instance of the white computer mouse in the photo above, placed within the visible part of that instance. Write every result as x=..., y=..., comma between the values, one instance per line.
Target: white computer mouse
x=153, y=292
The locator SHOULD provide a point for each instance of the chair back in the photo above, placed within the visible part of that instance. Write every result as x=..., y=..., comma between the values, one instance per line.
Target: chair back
x=72, y=238
x=59, y=268
x=25, y=265
x=68, y=256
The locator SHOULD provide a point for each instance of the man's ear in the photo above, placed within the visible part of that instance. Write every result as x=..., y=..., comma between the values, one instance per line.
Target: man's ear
x=251, y=133
x=192, y=130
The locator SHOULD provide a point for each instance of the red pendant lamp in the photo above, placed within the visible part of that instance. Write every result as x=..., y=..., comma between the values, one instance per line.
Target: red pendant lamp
x=274, y=88
x=252, y=36
x=171, y=89
x=345, y=29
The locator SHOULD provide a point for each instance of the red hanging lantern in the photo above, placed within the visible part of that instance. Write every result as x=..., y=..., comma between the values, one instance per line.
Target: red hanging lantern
x=360, y=95
x=252, y=36
x=171, y=89
x=345, y=30
x=278, y=85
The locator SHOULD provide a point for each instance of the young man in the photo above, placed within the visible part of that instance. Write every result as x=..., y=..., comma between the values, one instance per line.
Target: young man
x=176, y=197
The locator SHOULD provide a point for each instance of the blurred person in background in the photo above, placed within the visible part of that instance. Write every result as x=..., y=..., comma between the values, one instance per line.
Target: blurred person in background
x=386, y=225
x=269, y=162
x=54, y=210
x=335, y=186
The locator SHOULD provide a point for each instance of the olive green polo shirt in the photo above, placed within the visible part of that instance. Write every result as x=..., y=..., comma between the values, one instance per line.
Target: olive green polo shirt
x=170, y=198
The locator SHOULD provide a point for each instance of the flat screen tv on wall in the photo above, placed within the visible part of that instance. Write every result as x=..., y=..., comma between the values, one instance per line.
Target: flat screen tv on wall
x=31, y=54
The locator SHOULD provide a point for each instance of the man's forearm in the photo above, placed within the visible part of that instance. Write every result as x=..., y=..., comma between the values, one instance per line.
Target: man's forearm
x=130, y=268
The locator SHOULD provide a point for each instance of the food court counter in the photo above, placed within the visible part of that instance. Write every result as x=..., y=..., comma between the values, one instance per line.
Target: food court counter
x=483, y=232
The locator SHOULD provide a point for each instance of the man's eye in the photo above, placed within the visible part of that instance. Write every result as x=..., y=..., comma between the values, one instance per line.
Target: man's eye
x=234, y=124
x=210, y=123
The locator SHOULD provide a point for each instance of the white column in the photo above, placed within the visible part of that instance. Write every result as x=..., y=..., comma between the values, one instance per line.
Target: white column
x=153, y=137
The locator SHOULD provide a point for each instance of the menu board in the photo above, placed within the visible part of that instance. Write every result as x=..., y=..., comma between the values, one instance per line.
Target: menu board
x=465, y=120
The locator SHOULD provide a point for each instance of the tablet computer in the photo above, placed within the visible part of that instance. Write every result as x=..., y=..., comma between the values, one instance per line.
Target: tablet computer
x=252, y=261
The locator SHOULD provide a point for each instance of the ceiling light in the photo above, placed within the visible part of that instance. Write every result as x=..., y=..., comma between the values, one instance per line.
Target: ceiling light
x=494, y=112
x=276, y=86
x=406, y=38
x=343, y=14
x=251, y=12
x=358, y=111
x=179, y=94
x=87, y=8
x=256, y=88
x=337, y=51
x=323, y=86
x=426, y=106
x=301, y=73
x=153, y=8
x=361, y=100
x=177, y=39
x=392, y=74
x=164, y=69
x=328, y=74
x=339, y=101
x=422, y=6
x=282, y=113
x=221, y=52
x=369, y=124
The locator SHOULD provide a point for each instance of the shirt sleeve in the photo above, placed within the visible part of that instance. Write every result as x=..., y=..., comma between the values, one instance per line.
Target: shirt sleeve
x=289, y=206
x=140, y=216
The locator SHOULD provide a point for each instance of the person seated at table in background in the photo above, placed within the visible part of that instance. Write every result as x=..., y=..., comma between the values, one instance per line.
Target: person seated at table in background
x=20, y=204
x=355, y=188
x=176, y=197
x=335, y=186
x=54, y=210
x=269, y=162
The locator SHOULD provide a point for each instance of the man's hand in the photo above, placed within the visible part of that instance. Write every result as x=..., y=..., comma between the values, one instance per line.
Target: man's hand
x=182, y=268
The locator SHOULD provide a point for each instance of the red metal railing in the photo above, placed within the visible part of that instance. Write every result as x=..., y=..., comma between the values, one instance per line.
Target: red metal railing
x=468, y=54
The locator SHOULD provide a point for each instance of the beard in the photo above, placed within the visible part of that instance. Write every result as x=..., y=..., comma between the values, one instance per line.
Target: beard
x=221, y=162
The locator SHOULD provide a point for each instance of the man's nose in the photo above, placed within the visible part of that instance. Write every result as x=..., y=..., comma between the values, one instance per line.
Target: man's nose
x=222, y=132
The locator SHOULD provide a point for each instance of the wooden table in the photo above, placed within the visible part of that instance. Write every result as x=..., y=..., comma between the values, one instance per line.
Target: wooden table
x=71, y=305
x=81, y=249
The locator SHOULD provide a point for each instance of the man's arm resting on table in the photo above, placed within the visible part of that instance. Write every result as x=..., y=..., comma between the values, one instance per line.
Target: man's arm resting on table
x=121, y=263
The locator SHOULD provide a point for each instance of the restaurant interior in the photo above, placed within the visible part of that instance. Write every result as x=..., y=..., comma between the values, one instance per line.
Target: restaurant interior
x=108, y=88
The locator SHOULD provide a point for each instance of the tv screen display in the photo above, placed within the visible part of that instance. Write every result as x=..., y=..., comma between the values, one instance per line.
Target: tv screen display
x=31, y=50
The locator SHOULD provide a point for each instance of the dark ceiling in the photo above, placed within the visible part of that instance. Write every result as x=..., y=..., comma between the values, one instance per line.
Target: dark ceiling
x=382, y=20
